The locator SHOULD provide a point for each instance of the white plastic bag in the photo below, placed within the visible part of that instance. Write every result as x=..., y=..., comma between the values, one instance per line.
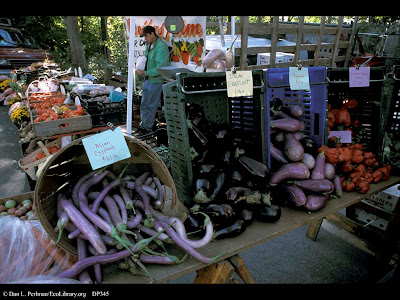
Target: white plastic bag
x=141, y=62
x=27, y=251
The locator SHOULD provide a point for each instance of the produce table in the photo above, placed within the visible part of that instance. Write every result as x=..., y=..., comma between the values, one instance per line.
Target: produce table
x=229, y=249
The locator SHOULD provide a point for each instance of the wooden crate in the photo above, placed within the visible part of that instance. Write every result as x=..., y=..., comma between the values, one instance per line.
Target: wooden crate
x=61, y=126
x=18, y=198
x=340, y=46
x=30, y=164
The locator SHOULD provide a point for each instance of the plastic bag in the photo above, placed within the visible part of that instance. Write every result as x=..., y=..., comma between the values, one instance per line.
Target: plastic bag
x=141, y=62
x=27, y=251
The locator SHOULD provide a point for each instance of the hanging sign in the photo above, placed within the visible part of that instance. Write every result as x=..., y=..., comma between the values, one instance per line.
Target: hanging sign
x=359, y=76
x=187, y=45
x=239, y=83
x=344, y=135
x=106, y=148
x=298, y=78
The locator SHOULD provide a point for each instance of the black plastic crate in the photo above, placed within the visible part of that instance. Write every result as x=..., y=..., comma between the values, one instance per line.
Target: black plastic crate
x=369, y=99
x=393, y=115
x=99, y=120
x=209, y=91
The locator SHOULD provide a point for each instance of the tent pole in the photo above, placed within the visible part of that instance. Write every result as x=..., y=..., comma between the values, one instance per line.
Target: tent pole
x=131, y=78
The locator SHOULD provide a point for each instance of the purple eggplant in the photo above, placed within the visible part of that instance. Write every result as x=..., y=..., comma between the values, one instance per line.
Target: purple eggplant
x=277, y=154
x=319, y=169
x=294, y=194
x=287, y=124
x=295, y=111
x=315, y=202
x=293, y=149
x=316, y=185
x=294, y=170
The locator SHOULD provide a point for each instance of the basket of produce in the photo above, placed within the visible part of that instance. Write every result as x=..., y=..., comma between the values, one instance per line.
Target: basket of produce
x=68, y=171
x=59, y=120
x=31, y=162
x=357, y=109
x=20, y=206
x=205, y=94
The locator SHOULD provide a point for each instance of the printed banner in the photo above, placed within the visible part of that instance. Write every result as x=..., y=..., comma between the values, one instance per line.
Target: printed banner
x=188, y=46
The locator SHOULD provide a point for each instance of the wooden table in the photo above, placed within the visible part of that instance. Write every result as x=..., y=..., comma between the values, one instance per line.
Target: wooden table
x=229, y=249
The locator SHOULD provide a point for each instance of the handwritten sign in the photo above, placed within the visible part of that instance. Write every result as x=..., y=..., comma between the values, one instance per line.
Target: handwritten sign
x=239, y=83
x=359, y=77
x=106, y=148
x=298, y=78
x=344, y=135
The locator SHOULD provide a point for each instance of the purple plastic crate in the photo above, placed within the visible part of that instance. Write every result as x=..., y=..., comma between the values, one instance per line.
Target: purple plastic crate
x=313, y=102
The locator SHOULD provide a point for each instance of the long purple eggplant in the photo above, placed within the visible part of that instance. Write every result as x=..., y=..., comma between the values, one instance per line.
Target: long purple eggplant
x=315, y=185
x=294, y=194
x=277, y=154
x=294, y=170
x=84, y=225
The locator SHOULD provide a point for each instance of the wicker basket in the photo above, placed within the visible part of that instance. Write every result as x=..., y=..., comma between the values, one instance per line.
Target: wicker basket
x=69, y=164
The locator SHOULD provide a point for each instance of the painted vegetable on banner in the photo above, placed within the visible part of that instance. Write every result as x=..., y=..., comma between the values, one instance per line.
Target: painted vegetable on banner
x=187, y=48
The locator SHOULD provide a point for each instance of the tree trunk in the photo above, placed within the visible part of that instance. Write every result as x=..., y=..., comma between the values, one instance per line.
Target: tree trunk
x=74, y=36
x=104, y=38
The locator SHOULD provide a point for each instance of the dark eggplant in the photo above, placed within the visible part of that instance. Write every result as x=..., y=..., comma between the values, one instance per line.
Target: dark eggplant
x=254, y=167
x=276, y=104
x=202, y=184
x=231, y=231
x=247, y=215
x=309, y=146
x=192, y=224
x=217, y=212
x=236, y=176
x=219, y=182
x=235, y=192
x=268, y=213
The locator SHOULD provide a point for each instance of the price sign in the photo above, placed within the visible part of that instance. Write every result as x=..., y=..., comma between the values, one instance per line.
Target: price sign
x=359, y=77
x=239, y=83
x=106, y=148
x=298, y=78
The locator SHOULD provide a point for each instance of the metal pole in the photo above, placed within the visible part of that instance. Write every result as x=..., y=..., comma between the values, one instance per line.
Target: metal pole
x=131, y=80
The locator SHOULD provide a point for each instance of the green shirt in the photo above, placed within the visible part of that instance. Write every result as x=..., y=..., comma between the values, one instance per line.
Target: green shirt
x=157, y=57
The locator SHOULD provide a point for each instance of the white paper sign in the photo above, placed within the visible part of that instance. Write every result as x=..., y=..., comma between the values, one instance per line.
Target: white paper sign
x=359, y=77
x=106, y=148
x=239, y=83
x=344, y=135
x=298, y=78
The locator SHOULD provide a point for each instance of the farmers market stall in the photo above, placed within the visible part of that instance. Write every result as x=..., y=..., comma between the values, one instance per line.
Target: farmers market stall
x=255, y=154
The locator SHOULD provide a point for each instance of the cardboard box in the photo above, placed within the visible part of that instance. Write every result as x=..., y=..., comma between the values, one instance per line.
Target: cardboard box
x=370, y=219
x=386, y=200
x=287, y=57
x=265, y=58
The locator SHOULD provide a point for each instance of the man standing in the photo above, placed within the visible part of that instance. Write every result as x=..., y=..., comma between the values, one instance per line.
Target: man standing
x=157, y=56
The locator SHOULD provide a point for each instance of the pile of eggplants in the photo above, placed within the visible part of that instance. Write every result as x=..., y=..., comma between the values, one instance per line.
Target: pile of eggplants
x=228, y=184
x=119, y=219
x=300, y=176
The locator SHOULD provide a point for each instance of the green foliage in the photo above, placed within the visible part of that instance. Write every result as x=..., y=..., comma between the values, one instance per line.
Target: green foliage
x=50, y=33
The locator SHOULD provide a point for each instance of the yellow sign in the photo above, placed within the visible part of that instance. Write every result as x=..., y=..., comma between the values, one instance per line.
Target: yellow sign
x=239, y=83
